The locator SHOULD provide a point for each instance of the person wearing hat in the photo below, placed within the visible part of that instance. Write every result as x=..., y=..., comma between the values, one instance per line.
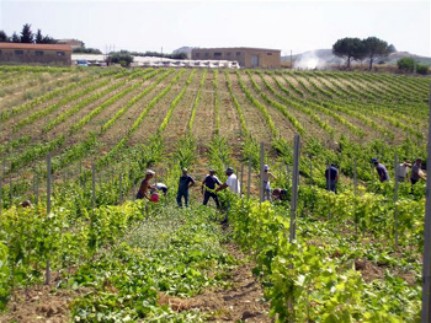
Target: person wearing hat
x=381, y=170
x=208, y=188
x=184, y=184
x=417, y=172
x=145, y=185
x=231, y=182
x=331, y=176
x=267, y=175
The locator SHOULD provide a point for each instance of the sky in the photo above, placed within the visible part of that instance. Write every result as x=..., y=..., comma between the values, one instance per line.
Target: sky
x=163, y=26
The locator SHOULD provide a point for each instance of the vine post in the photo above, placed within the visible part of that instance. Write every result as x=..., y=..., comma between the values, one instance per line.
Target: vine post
x=48, y=210
x=249, y=179
x=396, y=201
x=262, y=156
x=295, y=182
x=93, y=185
x=426, y=276
x=241, y=178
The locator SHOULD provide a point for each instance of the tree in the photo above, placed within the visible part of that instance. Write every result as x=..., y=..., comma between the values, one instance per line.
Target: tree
x=376, y=47
x=27, y=35
x=122, y=57
x=39, y=37
x=15, y=38
x=349, y=48
x=406, y=64
x=3, y=37
x=48, y=40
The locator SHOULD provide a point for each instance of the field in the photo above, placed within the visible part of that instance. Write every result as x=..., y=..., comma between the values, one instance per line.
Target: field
x=90, y=252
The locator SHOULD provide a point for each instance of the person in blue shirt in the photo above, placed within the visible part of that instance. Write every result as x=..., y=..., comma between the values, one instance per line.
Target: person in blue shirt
x=209, y=188
x=381, y=170
x=184, y=184
x=331, y=176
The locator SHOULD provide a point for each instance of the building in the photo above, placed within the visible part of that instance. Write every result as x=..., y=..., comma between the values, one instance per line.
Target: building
x=246, y=57
x=37, y=54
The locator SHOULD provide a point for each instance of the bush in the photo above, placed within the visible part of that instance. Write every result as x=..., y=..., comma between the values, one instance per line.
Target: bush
x=422, y=69
x=125, y=59
x=406, y=64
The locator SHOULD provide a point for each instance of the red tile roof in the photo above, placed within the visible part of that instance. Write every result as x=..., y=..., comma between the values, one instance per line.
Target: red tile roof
x=65, y=48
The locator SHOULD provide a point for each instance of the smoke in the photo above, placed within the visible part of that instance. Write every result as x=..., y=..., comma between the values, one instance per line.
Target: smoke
x=309, y=61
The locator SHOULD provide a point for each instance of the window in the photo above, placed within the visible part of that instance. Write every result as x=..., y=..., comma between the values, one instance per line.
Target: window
x=196, y=55
x=207, y=54
x=228, y=54
x=269, y=54
x=60, y=54
x=38, y=53
x=238, y=53
x=217, y=55
x=19, y=52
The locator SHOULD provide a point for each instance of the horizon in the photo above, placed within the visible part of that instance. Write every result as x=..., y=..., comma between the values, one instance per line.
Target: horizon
x=290, y=26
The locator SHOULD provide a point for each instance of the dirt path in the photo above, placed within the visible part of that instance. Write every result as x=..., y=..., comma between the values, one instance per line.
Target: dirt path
x=242, y=302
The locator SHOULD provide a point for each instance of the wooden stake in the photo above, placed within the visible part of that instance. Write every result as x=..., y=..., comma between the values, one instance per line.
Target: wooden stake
x=48, y=211
x=295, y=183
x=249, y=179
x=93, y=185
x=262, y=156
x=395, y=201
x=426, y=276
x=241, y=179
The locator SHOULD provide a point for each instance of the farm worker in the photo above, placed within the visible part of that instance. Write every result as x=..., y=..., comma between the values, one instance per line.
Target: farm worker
x=184, y=184
x=267, y=175
x=402, y=170
x=208, y=188
x=381, y=170
x=331, y=176
x=162, y=187
x=145, y=185
x=417, y=172
x=26, y=203
x=231, y=182
x=279, y=194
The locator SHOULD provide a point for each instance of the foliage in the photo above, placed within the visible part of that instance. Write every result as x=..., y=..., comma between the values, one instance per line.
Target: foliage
x=406, y=64
x=376, y=47
x=27, y=35
x=123, y=58
x=349, y=48
x=80, y=50
x=3, y=36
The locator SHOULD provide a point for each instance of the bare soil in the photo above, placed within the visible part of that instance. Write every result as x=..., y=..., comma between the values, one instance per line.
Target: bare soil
x=242, y=302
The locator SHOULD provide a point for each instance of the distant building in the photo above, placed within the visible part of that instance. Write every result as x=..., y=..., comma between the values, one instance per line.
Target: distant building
x=74, y=43
x=49, y=54
x=246, y=57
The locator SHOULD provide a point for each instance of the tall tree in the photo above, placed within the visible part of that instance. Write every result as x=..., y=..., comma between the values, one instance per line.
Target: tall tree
x=27, y=35
x=39, y=37
x=376, y=47
x=349, y=48
x=3, y=36
x=15, y=38
x=48, y=40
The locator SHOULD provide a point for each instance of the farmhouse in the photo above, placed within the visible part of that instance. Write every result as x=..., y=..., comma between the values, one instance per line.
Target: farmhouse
x=246, y=57
x=50, y=54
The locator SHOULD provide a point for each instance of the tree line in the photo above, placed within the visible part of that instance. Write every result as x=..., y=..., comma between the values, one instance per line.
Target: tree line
x=27, y=37
x=360, y=49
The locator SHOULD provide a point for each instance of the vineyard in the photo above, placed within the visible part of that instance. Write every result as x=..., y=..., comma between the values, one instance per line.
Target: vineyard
x=77, y=142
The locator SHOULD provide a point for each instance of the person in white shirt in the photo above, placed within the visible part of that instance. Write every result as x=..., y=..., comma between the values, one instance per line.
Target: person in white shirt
x=402, y=171
x=231, y=182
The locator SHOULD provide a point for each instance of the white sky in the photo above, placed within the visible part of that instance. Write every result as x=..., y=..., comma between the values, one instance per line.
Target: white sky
x=287, y=25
